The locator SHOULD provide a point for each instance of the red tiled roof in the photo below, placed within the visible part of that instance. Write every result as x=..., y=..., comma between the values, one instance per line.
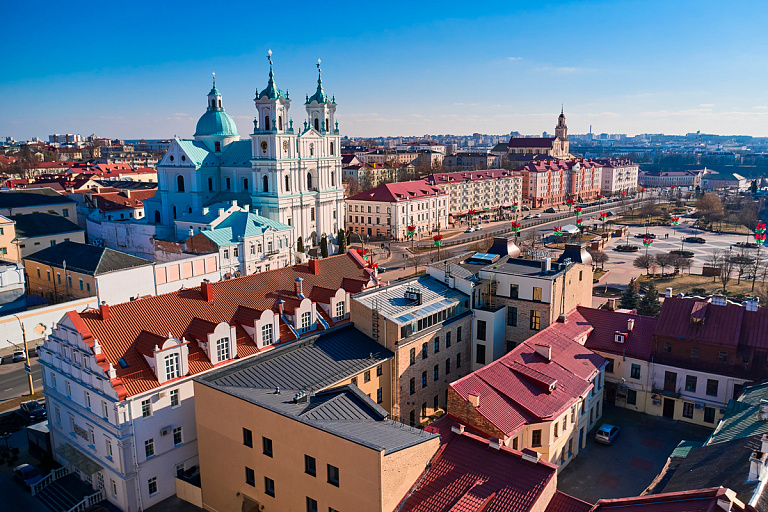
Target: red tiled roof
x=458, y=177
x=186, y=313
x=562, y=502
x=721, y=324
x=754, y=328
x=557, y=165
x=394, y=192
x=468, y=476
x=638, y=343
x=516, y=389
x=700, y=500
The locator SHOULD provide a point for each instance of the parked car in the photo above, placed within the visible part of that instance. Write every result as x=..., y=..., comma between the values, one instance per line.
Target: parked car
x=525, y=208
x=609, y=214
x=695, y=240
x=537, y=216
x=469, y=229
x=34, y=411
x=382, y=270
x=18, y=355
x=27, y=474
x=607, y=433
x=550, y=210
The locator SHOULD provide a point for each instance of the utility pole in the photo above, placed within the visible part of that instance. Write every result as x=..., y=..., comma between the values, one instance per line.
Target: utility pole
x=26, y=356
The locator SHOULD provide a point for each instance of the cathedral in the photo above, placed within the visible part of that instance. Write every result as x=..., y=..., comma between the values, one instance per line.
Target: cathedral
x=529, y=148
x=288, y=174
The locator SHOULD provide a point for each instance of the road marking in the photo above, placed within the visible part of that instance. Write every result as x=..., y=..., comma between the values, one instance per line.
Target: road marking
x=9, y=389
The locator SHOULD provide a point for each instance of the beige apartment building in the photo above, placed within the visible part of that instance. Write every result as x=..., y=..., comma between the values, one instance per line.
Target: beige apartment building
x=427, y=326
x=481, y=191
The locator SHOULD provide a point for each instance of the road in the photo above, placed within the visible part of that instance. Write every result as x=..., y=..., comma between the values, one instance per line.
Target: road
x=13, y=379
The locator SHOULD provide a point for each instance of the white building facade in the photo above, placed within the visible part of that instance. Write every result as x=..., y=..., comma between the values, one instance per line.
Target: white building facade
x=479, y=190
x=618, y=176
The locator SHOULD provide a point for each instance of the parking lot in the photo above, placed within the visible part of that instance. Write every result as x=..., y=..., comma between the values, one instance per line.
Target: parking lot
x=629, y=465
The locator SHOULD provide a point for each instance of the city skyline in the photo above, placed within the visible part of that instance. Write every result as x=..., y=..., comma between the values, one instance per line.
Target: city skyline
x=620, y=67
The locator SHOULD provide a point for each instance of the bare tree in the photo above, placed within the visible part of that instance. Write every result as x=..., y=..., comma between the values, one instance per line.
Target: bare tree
x=599, y=257
x=743, y=263
x=663, y=259
x=714, y=260
x=726, y=270
x=754, y=269
x=644, y=261
x=415, y=261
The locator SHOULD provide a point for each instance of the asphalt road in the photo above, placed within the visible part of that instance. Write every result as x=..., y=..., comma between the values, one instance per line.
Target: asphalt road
x=13, y=379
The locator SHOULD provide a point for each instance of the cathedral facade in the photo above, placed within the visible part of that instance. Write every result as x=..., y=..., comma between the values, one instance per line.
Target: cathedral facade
x=288, y=174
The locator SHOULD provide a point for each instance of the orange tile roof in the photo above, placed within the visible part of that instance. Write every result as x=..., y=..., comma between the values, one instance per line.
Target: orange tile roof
x=144, y=321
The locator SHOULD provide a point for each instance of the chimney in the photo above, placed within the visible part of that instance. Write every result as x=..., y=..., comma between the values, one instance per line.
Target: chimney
x=668, y=293
x=221, y=212
x=111, y=371
x=752, y=303
x=281, y=306
x=314, y=266
x=544, y=350
x=630, y=324
x=474, y=400
x=546, y=264
x=719, y=300
x=762, y=414
x=530, y=455
x=612, y=304
x=206, y=290
x=457, y=429
x=299, y=287
x=756, y=466
x=104, y=311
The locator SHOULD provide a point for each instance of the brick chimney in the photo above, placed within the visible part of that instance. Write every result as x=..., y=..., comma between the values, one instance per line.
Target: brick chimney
x=474, y=400
x=668, y=293
x=298, y=285
x=104, y=311
x=544, y=350
x=314, y=266
x=206, y=290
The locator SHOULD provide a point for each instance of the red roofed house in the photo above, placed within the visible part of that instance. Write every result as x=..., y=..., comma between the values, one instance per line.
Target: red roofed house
x=118, y=379
x=387, y=210
x=544, y=395
x=714, y=499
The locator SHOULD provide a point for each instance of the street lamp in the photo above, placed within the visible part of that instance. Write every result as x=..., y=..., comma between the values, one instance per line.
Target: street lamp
x=26, y=355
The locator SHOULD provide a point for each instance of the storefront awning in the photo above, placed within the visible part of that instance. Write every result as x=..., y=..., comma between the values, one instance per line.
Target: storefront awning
x=78, y=459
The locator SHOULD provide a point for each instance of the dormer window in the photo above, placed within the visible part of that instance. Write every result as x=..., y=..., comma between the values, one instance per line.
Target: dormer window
x=619, y=337
x=306, y=321
x=222, y=349
x=172, y=367
x=266, y=334
x=340, y=309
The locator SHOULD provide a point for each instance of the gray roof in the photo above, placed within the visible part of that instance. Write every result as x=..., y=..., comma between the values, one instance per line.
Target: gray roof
x=523, y=267
x=392, y=304
x=343, y=411
x=86, y=259
x=741, y=416
x=43, y=224
x=32, y=197
x=313, y=364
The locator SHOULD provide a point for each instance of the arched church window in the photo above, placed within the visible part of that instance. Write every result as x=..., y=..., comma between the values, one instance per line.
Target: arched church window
x=266, y=122
x=189, y=210
x=309, y=181
x=217, y=146
x=219, y=103
x=312, y=148
x=245, y=184
x=180, y=183
x=326, y=124
x=279, y=122
x=157, y=217
x=317, y=124
x=266, y=184
x=287, y=184
x=213, y=103
x=332, y=153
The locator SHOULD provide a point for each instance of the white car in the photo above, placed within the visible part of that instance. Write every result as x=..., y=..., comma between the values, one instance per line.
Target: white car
x=18, y=355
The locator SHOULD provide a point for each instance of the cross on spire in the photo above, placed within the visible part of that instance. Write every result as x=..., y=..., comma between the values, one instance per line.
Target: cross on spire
x=269, y=57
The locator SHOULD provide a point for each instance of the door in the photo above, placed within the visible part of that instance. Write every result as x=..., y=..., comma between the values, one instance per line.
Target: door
x=670, y=382
x=669, y=408
x=581, y=438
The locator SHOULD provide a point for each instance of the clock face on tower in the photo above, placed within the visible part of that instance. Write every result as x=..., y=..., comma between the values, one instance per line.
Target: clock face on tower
x=264, y=146
x=285, y=146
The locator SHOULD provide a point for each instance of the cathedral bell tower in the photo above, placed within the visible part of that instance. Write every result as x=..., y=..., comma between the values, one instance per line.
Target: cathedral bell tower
x=560, y=146
x=321, y=110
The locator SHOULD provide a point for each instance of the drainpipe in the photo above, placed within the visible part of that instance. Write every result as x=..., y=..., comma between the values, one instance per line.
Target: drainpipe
x=135, y=456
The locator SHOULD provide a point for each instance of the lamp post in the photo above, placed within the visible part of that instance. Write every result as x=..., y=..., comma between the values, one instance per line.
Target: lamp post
x=438, y=243
x=26, y=355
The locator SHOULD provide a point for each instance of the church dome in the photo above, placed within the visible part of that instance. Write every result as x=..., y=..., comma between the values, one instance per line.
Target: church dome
x=217, y=123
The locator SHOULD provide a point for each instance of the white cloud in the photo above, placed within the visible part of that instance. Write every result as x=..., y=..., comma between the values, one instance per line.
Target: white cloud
x=512, y=59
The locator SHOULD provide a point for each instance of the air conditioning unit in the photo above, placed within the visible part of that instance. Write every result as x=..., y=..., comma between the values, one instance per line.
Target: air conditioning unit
x=165, y=431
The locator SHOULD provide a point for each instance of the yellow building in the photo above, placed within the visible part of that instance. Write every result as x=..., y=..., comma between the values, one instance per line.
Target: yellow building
x=9, y=250
x=277, y=433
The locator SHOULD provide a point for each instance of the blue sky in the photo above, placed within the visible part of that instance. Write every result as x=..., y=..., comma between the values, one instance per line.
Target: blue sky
x=142, y=69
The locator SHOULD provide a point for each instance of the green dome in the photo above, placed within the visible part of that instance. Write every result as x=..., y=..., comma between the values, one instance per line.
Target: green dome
x=216, y=122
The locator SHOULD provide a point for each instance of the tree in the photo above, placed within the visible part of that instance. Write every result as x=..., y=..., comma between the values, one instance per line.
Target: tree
x=599, y=257
x=743, y=263
x=726, y=269
x=649, y=304
x=630, y=299
x=664, y=259
x=300, y=245
x=415, y=261
x=757, y=263
x=644, y=261
x=342, y=237
x=324, y=246
x=714, y=260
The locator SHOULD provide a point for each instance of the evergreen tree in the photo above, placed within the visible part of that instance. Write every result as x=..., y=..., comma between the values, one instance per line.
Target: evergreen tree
x=300, y=245
x=630, y=299
x=324, y=247
x=649, y=304
x=342, y=237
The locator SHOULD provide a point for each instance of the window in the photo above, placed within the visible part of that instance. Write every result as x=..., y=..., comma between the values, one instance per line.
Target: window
x=635, y=371
x=694, y=353
x=177, y=439
x=87, y=287
x=266, y=445
x=266, y=334
x=180, y=183
x=536, y=293
x=709, y=415
x=367, y=376
x=81, y=284
x=152, y=486
x=458, y=360
x=631, y=397
x=312, y=215
x=447, y=366
x=609, y=367
x=512, y=316
x=480, y=359
x=109, y=448
x=436, y=372
x=515, y=444
x=379, y=398
x=113, y=485
x=333, y=475
x=287, y=184
x=687, y=410
x=437, y=345
x=172, y=366
x=310, y=465
x=146, y=408
x=712, y=387
x=424, y=410
x=49, y=274
x=536, y=438
x=514, y=291
x=340, y=309
x=149, y=447
x=413, y=356
x=65, y=212
x=413, y=385
x=447, y=339
x=722, y=357
x=690, y=383
x=379, y=371
x=481, y=330
x=423, y=379
x=247, y=438
x=311, y=504
x=535, y=320
x=222, y=349
x=458, y=334
x=557, y=430
x=412, y=418
x=424, y=350
x=354, y=381
x=226, y=254
x=305, y=321
x=250, y=477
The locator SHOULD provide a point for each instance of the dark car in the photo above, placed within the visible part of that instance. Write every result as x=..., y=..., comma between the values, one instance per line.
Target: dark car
x=550, y=210
x=33, y=410
x=645, y=235
x=695, y=240
x=27, y=474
